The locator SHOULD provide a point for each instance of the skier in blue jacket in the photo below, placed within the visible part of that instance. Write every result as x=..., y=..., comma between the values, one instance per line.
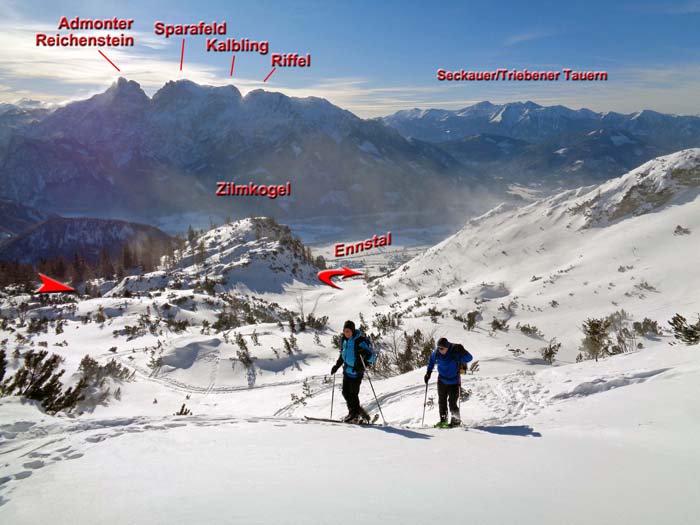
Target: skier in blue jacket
x=355, y=349
x=450, y=358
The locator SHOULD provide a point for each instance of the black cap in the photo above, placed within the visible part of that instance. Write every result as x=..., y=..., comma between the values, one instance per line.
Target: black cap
x=443, y=343
x=350, y=325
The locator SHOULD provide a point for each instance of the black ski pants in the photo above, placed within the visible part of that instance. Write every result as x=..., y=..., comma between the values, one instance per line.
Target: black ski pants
x=445, y=393
x=351, y=393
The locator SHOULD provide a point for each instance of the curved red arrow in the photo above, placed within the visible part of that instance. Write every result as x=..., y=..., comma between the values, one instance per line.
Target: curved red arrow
x=51, y=286
x=326, y=275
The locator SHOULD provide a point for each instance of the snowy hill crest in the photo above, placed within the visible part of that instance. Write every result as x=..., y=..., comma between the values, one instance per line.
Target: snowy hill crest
x=254, y=254
x=659, y=182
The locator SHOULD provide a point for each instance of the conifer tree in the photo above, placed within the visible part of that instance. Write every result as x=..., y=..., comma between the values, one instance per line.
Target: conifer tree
x=190, y=234
x=596, y=342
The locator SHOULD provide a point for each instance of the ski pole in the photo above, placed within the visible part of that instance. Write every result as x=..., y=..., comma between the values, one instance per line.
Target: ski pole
x=332, y=396
x=425, y=402
x=373, y=392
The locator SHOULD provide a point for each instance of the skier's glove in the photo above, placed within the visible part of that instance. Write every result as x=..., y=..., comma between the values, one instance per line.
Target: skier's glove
x=427, y=378
x=334, y=369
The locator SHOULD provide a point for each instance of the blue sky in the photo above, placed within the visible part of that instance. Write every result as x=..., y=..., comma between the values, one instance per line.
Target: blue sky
x=377, y=57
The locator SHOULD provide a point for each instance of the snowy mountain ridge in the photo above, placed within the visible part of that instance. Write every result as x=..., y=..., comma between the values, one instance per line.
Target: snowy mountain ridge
x=121, y=153
x=532, y=122
x=660, y=182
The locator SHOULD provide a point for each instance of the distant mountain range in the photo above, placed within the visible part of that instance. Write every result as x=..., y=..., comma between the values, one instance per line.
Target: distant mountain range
x=527, y=143
x=534, y=123
x=123, y=154
x=154, y=159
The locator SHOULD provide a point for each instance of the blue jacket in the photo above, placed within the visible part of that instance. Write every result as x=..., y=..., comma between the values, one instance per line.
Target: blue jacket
x=349, y=354
x=448, y=364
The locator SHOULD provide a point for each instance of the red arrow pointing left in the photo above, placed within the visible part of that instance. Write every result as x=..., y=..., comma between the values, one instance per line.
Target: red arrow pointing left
x=49, y=285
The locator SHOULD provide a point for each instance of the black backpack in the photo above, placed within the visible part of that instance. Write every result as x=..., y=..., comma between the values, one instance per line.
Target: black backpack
x=461, y=352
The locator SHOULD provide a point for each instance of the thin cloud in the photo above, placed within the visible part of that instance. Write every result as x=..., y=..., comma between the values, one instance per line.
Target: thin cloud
x=525, y=37
x=687, y=8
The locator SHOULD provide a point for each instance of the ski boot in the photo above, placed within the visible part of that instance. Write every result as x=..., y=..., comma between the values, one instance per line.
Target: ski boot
x=456, y=420
x=442, y=423
x=350, y=418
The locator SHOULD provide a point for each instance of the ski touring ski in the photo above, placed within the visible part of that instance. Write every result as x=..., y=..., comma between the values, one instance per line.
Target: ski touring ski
x=328, y=420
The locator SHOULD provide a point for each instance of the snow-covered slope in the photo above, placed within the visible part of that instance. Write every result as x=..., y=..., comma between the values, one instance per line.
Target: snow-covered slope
x=604, y=442
x=582, y=253
x=543, y=444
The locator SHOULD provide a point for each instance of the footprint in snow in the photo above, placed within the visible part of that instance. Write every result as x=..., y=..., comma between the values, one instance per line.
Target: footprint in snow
x=23, y=475
x=36, y=464
x=38, y=455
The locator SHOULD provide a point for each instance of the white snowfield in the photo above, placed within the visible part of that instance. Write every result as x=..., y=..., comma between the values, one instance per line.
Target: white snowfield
x=607, y=442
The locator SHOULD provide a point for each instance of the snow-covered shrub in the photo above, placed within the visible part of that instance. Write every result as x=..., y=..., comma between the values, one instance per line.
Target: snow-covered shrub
x=184, y=411
x=472, y=318
x=225, y=321
x=529, y=329
x=39, y=379
x=497, y=324
x=317, y=323
x=95, y=377
x=37, y=325
x=687, y=333
x=647, y=327
x=434, y=314
x=385, y=322
x=549, y=352
x=417, y=350
x=100, y=316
